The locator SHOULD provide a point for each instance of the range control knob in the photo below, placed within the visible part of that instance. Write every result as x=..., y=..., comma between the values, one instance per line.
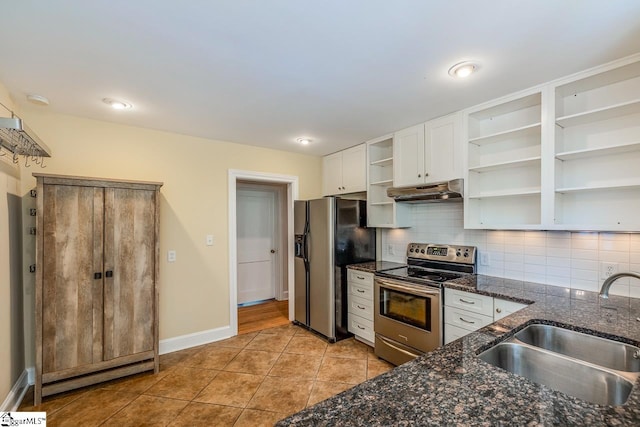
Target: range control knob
x=466, y=254
x=458, y=253
x=422, y=250
x=411, y=250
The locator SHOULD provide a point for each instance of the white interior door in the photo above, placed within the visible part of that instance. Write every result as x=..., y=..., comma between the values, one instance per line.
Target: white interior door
x=257, y=244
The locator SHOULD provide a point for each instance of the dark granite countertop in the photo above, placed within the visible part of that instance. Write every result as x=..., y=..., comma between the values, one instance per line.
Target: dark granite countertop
x=373, y=266
x=452, y=386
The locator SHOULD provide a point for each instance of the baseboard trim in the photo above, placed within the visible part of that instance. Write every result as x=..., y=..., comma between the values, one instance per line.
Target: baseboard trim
x=192, y=340
x=16, y=394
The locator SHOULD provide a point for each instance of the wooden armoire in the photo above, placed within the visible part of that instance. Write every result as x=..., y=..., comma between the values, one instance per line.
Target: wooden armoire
x=96, y=281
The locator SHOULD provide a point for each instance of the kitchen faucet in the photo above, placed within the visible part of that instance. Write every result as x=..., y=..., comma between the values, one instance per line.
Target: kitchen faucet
x=604, y=292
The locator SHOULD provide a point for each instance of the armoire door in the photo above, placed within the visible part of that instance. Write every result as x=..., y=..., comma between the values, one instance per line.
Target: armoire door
x=129, y=264
x=72, y=318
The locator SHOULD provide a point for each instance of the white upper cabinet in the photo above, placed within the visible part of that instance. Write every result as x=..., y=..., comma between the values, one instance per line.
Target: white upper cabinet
x=443, y=148
x=345, y=171
x=562, y=156
x=382, y=211
x=408, y=156
x=503, y=182
x=429, y=152
x=596, y=156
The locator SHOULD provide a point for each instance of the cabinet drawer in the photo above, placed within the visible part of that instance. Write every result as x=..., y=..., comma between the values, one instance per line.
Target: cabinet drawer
x=465, y=319
x=362, y=291
x=453, y=332
x=361, y=327
x=479, y=304
x=361, y=307
x=361, y=277
x=503, y=308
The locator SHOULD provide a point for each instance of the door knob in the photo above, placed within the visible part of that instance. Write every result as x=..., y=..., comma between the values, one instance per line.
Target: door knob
x=273, y=251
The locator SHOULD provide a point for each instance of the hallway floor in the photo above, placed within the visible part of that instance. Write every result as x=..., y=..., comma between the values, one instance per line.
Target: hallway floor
x=264, y=315
x=253, y=379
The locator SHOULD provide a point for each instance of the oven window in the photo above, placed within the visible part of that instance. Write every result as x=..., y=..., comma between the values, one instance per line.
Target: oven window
x=407, y=308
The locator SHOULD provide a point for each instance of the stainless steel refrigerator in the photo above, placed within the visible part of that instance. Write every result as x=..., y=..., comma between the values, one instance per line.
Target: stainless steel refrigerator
x=330, y=233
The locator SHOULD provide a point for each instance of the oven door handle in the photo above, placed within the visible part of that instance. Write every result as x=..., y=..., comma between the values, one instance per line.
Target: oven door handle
x=401, y=350
x=411, y=290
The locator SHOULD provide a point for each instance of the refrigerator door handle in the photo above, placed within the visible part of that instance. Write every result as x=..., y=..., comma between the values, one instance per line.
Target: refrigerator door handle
x=305, y=244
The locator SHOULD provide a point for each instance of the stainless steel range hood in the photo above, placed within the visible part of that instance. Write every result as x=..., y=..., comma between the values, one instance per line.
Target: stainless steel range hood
x=436, y=192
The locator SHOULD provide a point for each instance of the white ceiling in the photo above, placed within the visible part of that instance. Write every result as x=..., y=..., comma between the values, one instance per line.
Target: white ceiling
x=266, y=72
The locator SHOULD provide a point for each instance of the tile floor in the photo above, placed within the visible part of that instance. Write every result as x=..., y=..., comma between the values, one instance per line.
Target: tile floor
x=253, y=379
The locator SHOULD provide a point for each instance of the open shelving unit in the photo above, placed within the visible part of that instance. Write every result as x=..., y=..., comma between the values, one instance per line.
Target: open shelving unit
x=597, y=151
x=504, y=164
x=562, y=156
x=382, y=211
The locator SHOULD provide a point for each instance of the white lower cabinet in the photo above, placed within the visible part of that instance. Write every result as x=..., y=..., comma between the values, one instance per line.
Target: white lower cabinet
x=503, y=308
x=360, y=301
x=465, y=319
x=452, y=333
x=466, y=312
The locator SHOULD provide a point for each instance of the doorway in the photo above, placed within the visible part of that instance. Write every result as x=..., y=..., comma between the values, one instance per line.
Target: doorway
x=260, y=242
x=262, y=292
x=271, y=196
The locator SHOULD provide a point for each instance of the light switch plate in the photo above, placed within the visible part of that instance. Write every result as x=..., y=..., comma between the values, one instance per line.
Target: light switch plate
x=209, y=239
x=171, y=256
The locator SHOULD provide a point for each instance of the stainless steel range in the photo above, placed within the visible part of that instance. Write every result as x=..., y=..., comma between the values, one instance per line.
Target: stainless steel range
x=408, y=317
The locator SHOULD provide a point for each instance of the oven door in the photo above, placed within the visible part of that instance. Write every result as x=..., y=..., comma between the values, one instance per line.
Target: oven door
x=408, y=314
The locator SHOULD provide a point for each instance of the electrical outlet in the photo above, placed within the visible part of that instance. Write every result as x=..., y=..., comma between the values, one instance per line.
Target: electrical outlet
x=171, y=256
x=391, y=250
x=608, y=269
x=485, y=259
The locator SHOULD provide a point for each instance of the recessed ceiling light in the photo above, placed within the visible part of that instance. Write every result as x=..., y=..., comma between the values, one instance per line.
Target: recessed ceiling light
x=37, y=99
x=117, y=104
x=303, y=141
x=462, y=69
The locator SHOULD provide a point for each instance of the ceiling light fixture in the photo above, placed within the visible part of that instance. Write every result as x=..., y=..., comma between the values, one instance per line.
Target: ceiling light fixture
x=116, y=104
x=303, y=141
x=462, y=69
x=37, y=99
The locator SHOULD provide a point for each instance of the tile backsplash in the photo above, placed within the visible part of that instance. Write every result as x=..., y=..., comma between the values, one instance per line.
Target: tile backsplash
x=561, y=258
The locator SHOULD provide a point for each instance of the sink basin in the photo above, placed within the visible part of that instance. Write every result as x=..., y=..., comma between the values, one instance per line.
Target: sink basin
x=589, y=348
x=563, y=374
x=591, y=368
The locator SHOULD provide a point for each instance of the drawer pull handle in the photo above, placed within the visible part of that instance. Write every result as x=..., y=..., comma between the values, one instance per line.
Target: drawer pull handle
x=466, y=302
x=360, y=327
x=360, y=277
x=360, y=290
x=360, y=307
x=467, y=321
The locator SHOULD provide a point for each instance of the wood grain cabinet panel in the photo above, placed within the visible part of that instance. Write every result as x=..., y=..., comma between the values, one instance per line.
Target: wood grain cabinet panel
x=96, y=282
x=71, y=322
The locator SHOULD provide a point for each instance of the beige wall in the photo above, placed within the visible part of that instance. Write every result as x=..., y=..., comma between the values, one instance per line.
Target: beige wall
x=194, y=292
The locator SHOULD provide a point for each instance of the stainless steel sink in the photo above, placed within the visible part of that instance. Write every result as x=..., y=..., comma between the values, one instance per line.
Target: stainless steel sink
x=592, y=349
x=594, y=369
